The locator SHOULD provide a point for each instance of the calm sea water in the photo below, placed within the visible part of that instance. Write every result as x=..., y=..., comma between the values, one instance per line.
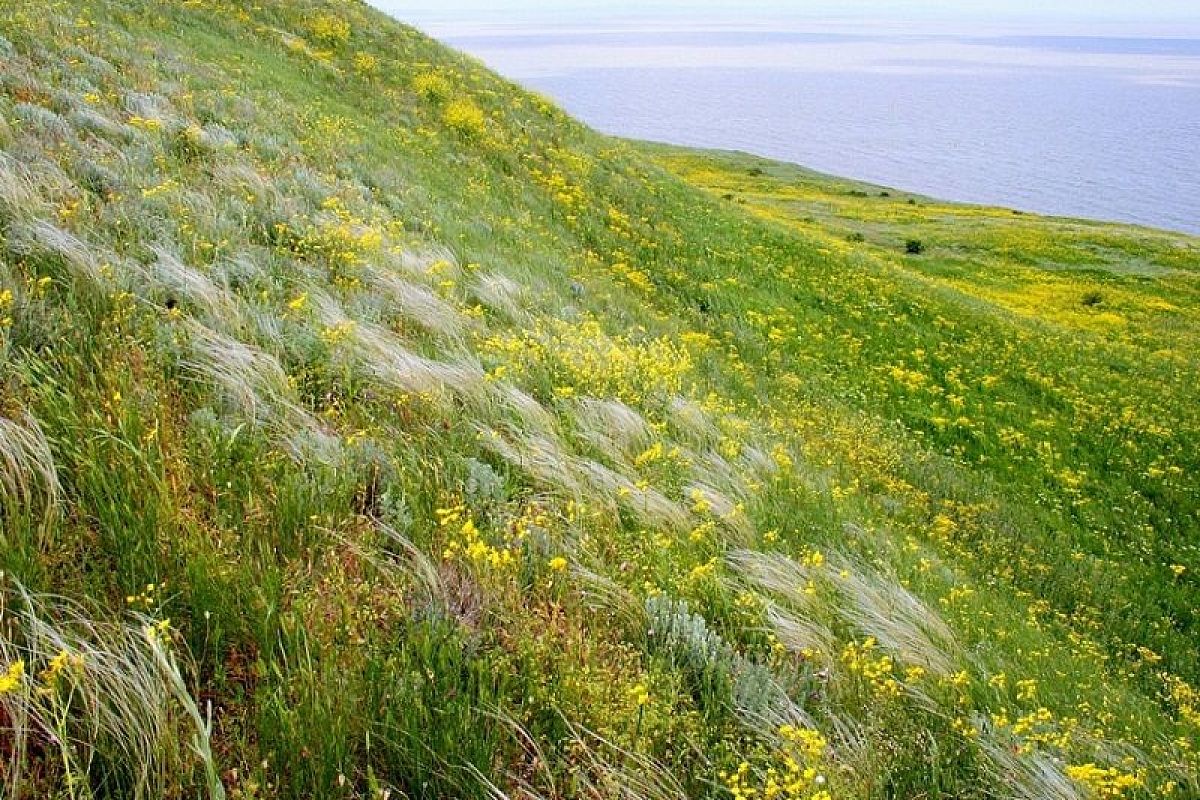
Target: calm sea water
x=1107, y=128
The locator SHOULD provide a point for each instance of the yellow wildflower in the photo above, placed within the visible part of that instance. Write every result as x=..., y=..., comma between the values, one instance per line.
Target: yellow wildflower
x=11, y=679
x=1102, y=783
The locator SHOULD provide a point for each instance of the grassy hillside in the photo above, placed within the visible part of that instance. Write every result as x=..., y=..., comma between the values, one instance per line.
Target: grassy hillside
x=369, y=428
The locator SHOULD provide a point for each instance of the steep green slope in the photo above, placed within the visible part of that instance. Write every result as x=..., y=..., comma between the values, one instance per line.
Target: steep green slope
x=369, y=428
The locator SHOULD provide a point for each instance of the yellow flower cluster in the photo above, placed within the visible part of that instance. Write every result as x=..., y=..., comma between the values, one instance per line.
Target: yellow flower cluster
x=1103, y=783
x=1038, y=728
x=66, y=662
x=466, y=118
x=874, y=668
x=366, y=64
x=145, y=124
x=298, y=304
x=329, y=29
x=584, y=359
x=6, y=303
x=809, y=744
x=793, y=773
x=566, y=193
x=468, y=543
x=703, y=572
x=1186, y=698
x=635, y=277
x=169, y=185
x=432, y=86
x=158, y=632
x=340, y=245
x=12, y=678
x=149, y=598
x=63, y=663
x=334, y=334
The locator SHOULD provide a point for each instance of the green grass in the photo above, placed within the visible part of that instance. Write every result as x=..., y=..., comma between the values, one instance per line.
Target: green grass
x=396, y=435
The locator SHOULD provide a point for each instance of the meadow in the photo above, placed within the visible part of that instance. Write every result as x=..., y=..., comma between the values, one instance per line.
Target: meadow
x=371, y=429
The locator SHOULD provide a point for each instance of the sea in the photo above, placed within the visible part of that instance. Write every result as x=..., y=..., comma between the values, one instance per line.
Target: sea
x=1095, y=126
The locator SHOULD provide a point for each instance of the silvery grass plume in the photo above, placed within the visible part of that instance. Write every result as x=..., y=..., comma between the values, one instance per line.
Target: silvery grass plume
x=849, y=741
x=102, y=169
x=776, y=574
x=419, y=304
x=649, y=505
x=601, y=485
x=46, y=122
x=18, y=187
x=97, y=64
x=241, y=176
x=40, y=237
x=653, y=508
x=97, y=692
x=408, y=568
x=499, y=294
x=251, y=381
x=396, y=367
x=545, y=460
x=531, y=414
x=801, y=635
x=755, y=463
x=218, y=217
x=601, y=593
x=541, y=457
x=307, y=185
x=28, y=478
x=244, y=270
x=611, y=427
x=381, y=356
x=153, y=107
x=692, y=423
x=706, y=499
x=1024, y=776
x=521, y=781
x=710, y=468
x=214, y=138
x=182, y=281
x=86, y=118
x=255, y=387
x=876, y=605
x=611, y=771
x=605, y=769
x=900, y=621
x=261, y=323
x=428, y=260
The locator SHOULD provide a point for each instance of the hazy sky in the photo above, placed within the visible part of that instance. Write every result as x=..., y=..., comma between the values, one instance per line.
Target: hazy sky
x=1165, y=17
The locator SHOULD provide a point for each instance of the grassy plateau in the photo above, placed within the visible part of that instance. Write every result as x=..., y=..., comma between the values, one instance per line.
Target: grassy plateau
x=371, y=429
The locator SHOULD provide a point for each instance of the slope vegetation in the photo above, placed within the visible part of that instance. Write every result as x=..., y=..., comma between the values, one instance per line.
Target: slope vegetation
x=369, y=428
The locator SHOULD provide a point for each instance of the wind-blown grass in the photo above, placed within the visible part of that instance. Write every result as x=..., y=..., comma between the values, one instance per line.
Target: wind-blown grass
x=482, y=455
x=28, y=478
x=107, y=698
